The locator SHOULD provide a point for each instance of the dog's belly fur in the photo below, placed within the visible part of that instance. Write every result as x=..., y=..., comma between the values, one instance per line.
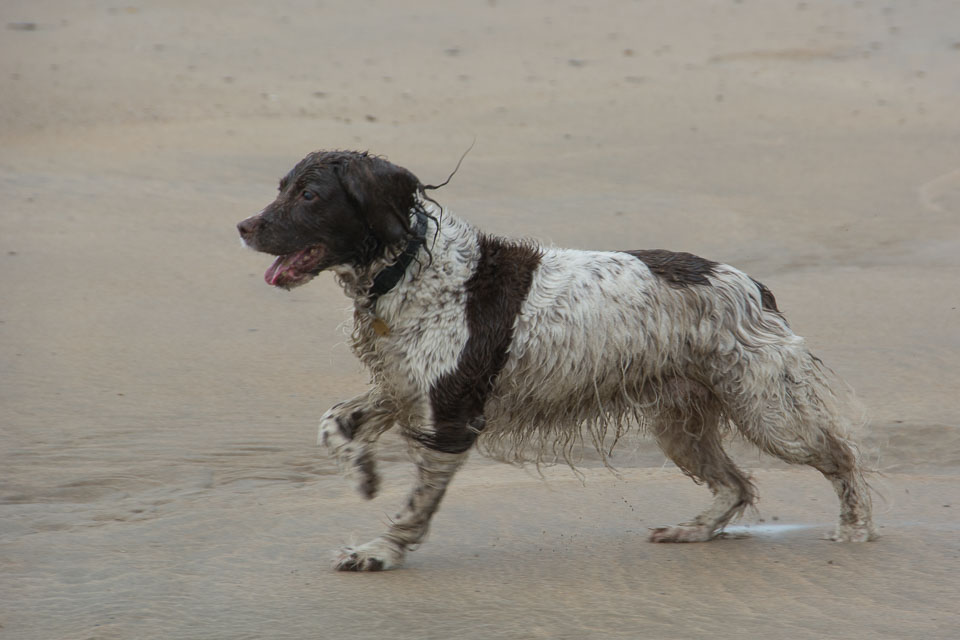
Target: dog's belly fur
x=601, y=339
x=578, y=347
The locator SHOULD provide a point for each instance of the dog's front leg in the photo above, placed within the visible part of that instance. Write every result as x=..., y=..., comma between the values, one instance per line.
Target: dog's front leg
x=348, y=431
x=435, y=469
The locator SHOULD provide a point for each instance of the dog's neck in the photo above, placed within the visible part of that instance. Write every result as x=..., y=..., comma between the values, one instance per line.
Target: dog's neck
x=392, y=274
x=365, y=284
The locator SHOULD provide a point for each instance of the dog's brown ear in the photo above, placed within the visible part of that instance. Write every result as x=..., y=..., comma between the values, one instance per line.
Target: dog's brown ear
x=383, y=193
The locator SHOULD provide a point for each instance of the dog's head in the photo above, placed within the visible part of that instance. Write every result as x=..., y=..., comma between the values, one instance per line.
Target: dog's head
x=334, y=208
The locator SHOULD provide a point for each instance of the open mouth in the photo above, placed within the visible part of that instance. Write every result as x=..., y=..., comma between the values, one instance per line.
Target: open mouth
x=294, y=269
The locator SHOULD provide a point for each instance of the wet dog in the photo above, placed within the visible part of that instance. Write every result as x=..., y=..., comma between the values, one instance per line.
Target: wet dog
x=521, y=350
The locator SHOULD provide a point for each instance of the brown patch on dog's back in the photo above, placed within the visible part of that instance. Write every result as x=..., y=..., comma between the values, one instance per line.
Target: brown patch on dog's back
x=677, y=268
x=766, y=297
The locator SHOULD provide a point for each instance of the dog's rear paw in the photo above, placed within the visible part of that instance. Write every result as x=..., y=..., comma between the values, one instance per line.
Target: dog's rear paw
x=378, y=555
x=682, y=533
x=857, y=532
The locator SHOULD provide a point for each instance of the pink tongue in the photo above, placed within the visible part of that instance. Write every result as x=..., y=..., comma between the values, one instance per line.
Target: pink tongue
x=280, y=268
x=294, y=269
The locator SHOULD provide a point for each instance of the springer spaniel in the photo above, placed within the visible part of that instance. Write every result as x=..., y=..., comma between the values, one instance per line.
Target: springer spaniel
x=472, y=339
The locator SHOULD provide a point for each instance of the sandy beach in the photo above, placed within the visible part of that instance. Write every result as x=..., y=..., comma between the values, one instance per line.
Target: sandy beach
x=158, y=401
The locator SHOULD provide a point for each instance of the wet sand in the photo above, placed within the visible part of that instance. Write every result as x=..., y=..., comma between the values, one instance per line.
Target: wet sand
x=158, y=401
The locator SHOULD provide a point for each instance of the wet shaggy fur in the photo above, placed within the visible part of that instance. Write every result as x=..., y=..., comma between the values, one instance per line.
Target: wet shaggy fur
x=525, y=351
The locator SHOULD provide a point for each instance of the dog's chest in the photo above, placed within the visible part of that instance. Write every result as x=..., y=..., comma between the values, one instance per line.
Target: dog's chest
x=415, y=336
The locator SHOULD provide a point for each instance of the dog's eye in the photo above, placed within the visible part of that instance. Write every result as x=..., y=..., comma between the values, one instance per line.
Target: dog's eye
x=307, y=194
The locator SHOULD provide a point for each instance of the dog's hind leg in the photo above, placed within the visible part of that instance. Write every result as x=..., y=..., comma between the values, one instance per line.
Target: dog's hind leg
x=838, y=462
x=688, y=429
x=435, y=469
x=796, y=418
x=348, y=431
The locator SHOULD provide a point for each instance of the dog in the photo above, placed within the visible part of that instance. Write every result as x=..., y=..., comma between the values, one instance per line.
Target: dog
x=474, y=340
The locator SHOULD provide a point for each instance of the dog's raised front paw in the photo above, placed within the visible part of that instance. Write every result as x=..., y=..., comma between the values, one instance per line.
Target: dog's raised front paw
x=355, y=457
x=333, y=433
x=377, y=555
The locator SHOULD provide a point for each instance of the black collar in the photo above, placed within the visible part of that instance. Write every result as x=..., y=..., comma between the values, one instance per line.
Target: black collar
x=393, y=274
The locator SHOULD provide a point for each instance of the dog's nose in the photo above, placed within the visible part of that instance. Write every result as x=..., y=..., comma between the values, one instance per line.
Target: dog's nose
x=249, y=226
